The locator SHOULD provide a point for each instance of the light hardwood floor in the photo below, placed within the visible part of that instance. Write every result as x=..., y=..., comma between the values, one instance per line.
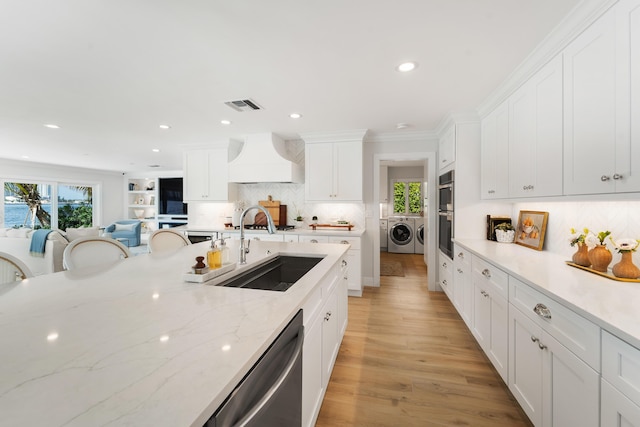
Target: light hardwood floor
x=408, y=359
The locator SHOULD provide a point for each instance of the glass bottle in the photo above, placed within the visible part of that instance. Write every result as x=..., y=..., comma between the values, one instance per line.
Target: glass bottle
x=214, y=256
x=224, y=249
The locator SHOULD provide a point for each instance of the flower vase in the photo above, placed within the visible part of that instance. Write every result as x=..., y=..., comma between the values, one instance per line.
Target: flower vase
x=625, y=268
x=581, y=257
x=600, y=258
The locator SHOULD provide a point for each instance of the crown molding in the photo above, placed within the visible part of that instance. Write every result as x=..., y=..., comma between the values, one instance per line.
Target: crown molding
x=337, y=136
x=456, y=118
x=401, y=136
x=574, y=23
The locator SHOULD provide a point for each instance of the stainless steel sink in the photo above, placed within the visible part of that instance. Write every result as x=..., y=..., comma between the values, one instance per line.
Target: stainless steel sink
x=278, y=274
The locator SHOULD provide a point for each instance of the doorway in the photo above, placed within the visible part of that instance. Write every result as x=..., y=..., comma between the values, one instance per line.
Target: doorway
x=414, y=162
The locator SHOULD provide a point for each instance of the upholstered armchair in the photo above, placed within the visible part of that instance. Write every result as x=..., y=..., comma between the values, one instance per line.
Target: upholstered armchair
x=127, y=231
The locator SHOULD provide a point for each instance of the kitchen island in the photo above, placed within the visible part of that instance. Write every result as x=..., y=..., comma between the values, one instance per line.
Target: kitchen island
x=132, y=343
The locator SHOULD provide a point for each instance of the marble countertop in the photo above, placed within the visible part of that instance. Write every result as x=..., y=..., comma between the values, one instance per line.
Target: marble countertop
x=355, y=232
x=132, y=344
x=611, y=304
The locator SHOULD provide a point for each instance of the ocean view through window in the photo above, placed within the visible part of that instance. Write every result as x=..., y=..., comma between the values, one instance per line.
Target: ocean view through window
x=47, y=205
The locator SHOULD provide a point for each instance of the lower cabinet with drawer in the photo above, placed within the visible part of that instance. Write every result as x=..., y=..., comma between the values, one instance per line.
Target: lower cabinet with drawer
x=354, y=262
x=490, y=312
x=463, y=297
x=620, y=383
x=445, y=275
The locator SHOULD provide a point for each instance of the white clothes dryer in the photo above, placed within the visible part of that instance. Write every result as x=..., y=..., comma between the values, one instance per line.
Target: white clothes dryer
x=401, y=235
x=420, y=234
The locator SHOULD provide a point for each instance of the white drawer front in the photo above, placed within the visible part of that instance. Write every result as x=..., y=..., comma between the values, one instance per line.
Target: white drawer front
x=313, y=239
x=353, y=241
x=461, y=256
x=572, y=330
x=621, y=366
x=493, y=278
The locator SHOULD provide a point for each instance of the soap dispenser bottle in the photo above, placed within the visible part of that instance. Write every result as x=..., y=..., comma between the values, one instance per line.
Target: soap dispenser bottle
x=224, y=249
x=214, y=256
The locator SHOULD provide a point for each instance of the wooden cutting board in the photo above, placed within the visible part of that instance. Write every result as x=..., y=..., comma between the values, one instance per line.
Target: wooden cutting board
x=273, y=207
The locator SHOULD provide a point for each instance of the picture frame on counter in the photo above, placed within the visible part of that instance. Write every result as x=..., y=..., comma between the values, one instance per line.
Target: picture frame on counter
x=532, y=226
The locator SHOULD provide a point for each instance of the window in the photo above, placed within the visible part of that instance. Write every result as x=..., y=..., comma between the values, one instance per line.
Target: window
x=407, y=197
x=48, y=205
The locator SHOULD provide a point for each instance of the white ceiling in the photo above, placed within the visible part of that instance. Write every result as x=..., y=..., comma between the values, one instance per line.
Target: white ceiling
x=109, y=72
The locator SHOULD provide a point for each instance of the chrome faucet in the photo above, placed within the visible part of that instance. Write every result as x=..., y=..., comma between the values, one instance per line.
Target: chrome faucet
x=271, y=228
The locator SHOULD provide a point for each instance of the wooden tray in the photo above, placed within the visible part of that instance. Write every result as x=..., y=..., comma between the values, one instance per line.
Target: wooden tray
x=335, y=226
x=211, y=274
x=603, y=274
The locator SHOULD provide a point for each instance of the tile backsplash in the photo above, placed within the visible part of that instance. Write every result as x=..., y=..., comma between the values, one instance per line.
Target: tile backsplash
x=619, y=217
x=292, y=195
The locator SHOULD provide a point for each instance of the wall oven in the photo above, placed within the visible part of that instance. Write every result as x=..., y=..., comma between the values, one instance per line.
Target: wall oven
x=445, y=213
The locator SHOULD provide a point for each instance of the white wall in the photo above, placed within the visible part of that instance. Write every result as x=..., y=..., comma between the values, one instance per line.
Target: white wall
x=109, y=202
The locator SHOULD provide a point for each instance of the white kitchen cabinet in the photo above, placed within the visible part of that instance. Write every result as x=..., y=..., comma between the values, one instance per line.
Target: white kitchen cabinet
x=354, y=262
x=333, y=171
x=490, y=313
x=445, y=275
x=554, y=360
x=553, y=386
x=535, y=134
x=617, y=409
x=325, y=320
x=343, y=298
x=494, y=156
x=590, y=132
x=463, y=285
x=313, y=239
x=620, y=382
x=447, y=148
x=205, y=176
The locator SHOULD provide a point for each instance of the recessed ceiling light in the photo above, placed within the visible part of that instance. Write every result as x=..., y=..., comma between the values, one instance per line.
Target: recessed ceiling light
x=225, y=122
x=295, y=115
x=51, y=126
x=165, y=127
x=407, y=66
x=25, y=157
x=155, y=150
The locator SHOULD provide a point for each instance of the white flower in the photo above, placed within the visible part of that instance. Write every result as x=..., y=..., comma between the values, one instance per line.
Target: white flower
x=591, y=240
x=625, y=244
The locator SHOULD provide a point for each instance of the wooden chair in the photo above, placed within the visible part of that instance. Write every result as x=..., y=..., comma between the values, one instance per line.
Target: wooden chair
x=12, y=269
x=90, y=251
x=167, y=240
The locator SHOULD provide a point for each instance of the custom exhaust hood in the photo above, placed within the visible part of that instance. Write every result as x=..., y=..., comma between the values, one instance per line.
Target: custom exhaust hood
x=264, y=157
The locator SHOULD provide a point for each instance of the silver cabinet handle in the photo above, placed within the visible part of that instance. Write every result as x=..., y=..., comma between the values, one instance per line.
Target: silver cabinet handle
x=444, y=282
x=604, y=178
x=314, y=241
x=460, y=271
x=444, y=264
x=534, y=339
x=344, y=242
x=328, y=316
x=484, y=294
x=486, y=273
x=617, y=176
x=541, y=346
x=344, y=263
x=542, y=311
x=461, y=255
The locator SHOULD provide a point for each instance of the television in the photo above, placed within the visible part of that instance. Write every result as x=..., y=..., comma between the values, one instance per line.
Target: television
x=170, y=197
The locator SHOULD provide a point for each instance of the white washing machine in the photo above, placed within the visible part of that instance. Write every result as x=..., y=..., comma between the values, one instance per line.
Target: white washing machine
x=420, y=233
x=401, y=235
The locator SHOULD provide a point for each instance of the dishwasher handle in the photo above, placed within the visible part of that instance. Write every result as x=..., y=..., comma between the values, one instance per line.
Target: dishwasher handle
x=277, y=384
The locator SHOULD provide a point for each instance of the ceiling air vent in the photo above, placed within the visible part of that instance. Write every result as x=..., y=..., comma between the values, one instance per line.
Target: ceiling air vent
x=244, y=105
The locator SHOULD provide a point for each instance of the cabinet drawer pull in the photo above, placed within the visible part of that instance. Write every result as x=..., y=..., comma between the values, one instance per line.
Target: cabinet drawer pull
x=461, y=255
x=314, y=241
x=534, y=339
x=344, y=242
x=617, y=176
x=328, y=316
x=542, y=311
x=344, y=263
x=541, y=346
x=486, y=273
x=604, y=178
x=444, y=282
x=460, y=271
x=484, y=294
x=444, y=264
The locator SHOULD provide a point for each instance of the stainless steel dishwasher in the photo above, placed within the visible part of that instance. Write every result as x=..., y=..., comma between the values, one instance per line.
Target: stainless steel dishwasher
x=270, y=394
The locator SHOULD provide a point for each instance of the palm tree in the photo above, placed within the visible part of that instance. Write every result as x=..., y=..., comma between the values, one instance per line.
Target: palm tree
x=28, y=193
